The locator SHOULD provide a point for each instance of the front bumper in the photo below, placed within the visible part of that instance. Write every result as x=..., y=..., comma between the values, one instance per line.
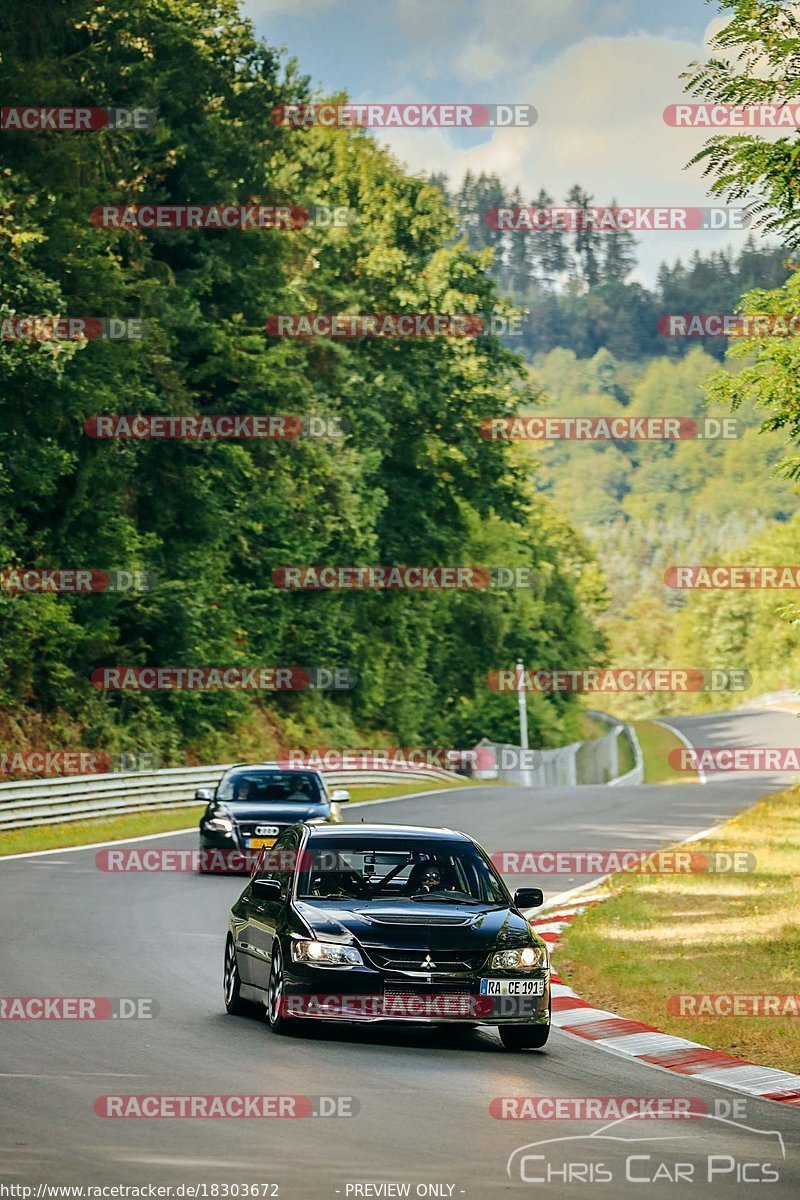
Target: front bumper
x=366, y=995
x=223, y=855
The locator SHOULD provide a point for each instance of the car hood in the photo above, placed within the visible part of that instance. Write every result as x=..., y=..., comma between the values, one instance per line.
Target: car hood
x=276, y=811
x=414, y=925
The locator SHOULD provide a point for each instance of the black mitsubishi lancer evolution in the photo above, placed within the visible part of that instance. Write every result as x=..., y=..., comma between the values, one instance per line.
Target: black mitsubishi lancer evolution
x=384, y=923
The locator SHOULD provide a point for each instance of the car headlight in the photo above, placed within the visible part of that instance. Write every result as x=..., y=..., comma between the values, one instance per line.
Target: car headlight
x=219, y=825
x=526, y=958
x=326, y=953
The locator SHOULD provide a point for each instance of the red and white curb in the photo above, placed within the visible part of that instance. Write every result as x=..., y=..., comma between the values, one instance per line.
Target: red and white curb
x=643, y=1042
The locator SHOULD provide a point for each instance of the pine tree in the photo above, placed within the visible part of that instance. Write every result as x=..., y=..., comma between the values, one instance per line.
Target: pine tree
x=585, y=240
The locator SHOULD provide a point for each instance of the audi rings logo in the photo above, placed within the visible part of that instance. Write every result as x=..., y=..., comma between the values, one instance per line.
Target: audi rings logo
x=267, y=831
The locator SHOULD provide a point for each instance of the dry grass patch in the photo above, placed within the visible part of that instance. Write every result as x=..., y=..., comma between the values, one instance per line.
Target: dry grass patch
x=664, y=935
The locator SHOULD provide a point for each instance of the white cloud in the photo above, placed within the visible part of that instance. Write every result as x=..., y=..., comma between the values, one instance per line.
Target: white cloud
x=498, y=41
x=479, y=62
x=600, y=124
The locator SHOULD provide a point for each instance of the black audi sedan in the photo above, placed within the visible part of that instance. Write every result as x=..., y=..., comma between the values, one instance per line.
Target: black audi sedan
x=252, y=805
x=371, y=923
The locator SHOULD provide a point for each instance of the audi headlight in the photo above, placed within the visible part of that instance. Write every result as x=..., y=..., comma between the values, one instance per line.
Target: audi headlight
x=220, y=825
x=526, y=958
x=329, y=954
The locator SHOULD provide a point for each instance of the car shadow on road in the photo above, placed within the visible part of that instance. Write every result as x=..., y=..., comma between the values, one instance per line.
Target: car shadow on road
x=451, y=1037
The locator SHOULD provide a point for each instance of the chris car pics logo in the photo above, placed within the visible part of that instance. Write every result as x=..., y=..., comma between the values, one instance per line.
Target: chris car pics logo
x=619, y=1152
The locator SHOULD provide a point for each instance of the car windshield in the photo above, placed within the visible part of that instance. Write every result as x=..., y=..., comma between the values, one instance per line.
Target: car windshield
x=263, y=786
x=390, y=869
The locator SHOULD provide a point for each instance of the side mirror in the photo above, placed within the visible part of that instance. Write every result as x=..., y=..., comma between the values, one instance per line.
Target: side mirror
x=266, y=889
x=528, y=898
x=204, y=795
x=340, y=796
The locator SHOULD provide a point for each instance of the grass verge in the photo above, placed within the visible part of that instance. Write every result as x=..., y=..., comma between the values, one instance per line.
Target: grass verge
x=668, y=935
x=111, y=829
x=656, y=743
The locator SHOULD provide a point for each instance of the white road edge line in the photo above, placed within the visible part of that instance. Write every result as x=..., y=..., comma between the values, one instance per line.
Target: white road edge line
x=681, y=736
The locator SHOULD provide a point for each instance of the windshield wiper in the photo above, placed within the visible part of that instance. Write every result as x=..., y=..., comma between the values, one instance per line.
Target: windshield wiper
x=439, y=897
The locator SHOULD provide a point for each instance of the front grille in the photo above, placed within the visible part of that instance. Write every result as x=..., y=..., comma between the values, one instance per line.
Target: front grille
x=455, y=1002
x=247, y=829
x=420, y=960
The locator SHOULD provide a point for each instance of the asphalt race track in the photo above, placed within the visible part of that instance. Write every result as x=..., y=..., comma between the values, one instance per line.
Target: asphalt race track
x=72, y=930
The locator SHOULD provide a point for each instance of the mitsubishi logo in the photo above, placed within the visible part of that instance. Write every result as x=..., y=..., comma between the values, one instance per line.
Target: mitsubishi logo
x=427, y=962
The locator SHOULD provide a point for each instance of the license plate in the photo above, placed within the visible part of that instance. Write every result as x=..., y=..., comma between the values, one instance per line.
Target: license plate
x=512, y=987
x=260, y=843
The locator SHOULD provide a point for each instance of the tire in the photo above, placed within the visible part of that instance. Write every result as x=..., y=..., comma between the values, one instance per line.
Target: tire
x=524, y=1037
x=232, y=982
x=277, y=1022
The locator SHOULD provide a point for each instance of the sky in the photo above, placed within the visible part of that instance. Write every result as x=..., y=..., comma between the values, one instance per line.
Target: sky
x=599, y=72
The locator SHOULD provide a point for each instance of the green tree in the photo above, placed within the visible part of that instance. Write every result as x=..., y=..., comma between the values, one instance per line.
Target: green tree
x=756, y=60
x=410, y=482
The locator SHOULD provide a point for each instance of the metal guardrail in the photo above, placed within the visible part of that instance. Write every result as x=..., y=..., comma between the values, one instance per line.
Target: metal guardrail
x=78, y=797
x=594, y=761
x=54, y=801
x=636, y=773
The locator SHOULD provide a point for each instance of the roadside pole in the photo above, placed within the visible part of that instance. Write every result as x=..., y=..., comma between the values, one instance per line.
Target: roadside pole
x=522, y=701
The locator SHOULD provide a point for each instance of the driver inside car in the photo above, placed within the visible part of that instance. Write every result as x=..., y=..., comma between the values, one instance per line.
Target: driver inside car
x=301, y=790
x=429, y=876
